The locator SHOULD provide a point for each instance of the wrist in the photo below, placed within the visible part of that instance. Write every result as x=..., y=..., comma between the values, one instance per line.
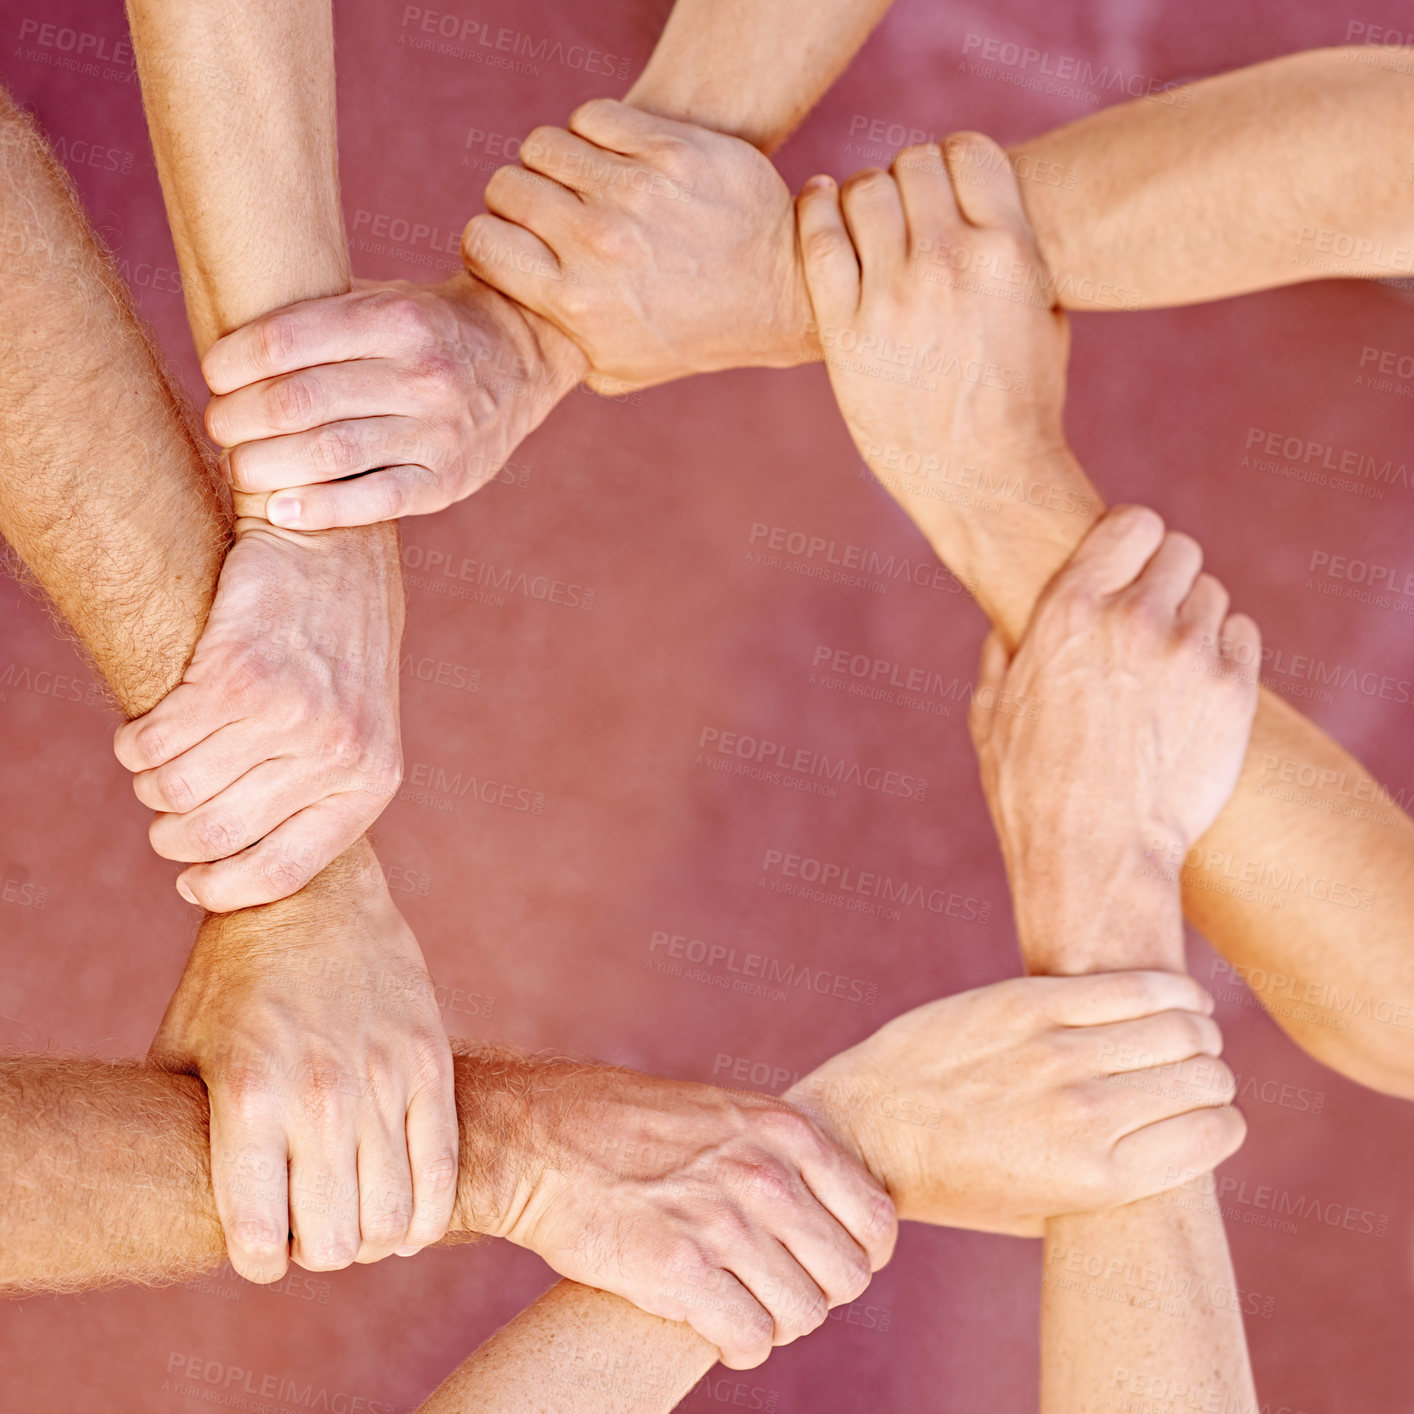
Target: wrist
x=1103, y=907
x=496, y=1166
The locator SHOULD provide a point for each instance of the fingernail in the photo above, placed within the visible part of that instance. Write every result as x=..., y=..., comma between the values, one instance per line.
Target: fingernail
x=1209, y=1003
x=185, y=892
x=406, y=1251
x=283, y=510
x=819, y=184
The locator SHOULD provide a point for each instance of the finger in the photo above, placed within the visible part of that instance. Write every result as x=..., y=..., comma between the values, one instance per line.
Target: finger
x=1168, y=578
x=1138, y=1098
x=384, y=1192
x=389, y=493
x=1165, y=1038
x=628, y=131
x=286, y=859
x=199, y=775
x=1241, y=643
x=846, y=1191
x=324, y=1180
x=1103, y=998
x=873, y=214
x=827, y=253
x=250, y=1182
x=723, y=1312
x=569, y=160
x=512, y=259
x=335, y=450
x=432, y=1145
x=825, y=1252
x=929, y=206
x=534, y=202
x=988, y=194
x=265, y=796
x=304, y=335
x=1111, y=556
x=186, y=716
x=1162, y=1156
x=771, y=1273
x=1203, y=611
x=991, y=678
x=309, y=398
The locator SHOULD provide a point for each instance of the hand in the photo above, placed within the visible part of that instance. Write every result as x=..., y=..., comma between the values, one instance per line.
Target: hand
x=1144, y=687
x=1000, y=1107
x=662, y=249
x=417, y=394
x=279, y=747
x=730, y=1212
x=933, y=308
x=314, y=1027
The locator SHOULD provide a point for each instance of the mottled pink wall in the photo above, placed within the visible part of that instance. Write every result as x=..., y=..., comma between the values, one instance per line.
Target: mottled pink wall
x=650, y=502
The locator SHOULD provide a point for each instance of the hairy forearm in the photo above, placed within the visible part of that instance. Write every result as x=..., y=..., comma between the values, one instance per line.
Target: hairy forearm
x=579, y=1351
x=1295, y=169
x=751, y=68
x=106, y=494
x=105, y=1169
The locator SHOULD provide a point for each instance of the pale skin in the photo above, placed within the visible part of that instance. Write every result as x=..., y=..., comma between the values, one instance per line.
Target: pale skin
x=1254, y=161
x=1145, y=705
x=982, y=467
x=1140, y=646
x=1109, y=1083
x=313, y=1019
x=1118, y=633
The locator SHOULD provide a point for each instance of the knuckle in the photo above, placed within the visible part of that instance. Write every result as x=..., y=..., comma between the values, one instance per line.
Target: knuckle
x=293, y=399
x=334, y=450
x=436, y=1176
x=218, y=835
x=401, y=316
x=438, y=380
x=324, y=1099
x=1083, y=1104
x=174, y=792
x=257, y=1237
x=384, y=1226
x=275, y=340
x=286, y=875
x=824, y=244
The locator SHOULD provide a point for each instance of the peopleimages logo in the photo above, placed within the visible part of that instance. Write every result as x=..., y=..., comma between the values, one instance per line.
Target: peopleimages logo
x=775, y=757
x=862, y=885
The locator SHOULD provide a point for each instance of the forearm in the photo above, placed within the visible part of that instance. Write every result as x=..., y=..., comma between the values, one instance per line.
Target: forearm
x=1295, y=169
x=719, y=63
x=105, y=491
x=241, y=111
x=105, y=1170
x=1092, y=1344
x=577, y=1351
x=1333, y=976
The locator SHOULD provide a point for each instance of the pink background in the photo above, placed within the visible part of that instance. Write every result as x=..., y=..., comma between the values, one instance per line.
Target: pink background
x=650, y=502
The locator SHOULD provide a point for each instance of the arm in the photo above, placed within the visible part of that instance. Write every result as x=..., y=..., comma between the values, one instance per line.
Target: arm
x=1027, y=1054
x=972, y=446
x=1291, y=170
x=1140, y=647
x=1294, y=169
x=311, y=1021
x=718, y=65
x=280, y=745
x=109, y=502
x=458, y=374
